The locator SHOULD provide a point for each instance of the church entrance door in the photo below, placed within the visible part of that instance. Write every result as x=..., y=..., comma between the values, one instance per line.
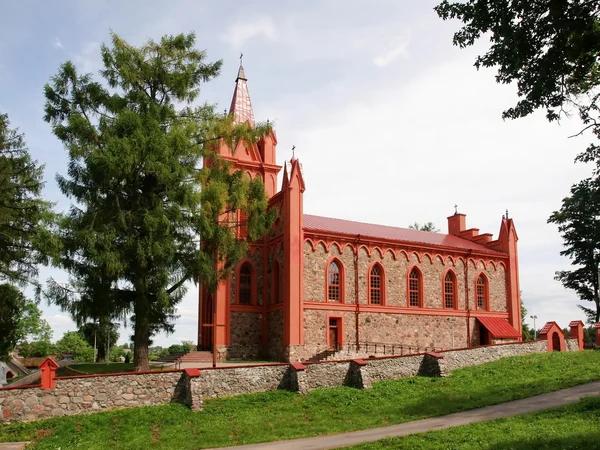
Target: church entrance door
x=334, y=334
x=206, y=333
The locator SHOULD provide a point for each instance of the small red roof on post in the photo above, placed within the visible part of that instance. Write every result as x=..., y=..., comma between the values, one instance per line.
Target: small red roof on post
x=498, y=327
x=575, y=323
x=48, y=369
x=547, y=327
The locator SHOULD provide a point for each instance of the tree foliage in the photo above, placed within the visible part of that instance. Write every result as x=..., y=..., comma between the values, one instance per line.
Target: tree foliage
x=101, y=334
x=578, y=222
x=141, y=205
x=20, y=319
x=429, y=226
x=72, y=342
x=549, y=48
x=25, y=218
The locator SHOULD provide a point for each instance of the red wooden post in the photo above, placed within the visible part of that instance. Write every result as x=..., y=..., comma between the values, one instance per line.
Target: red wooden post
x=48, y=368
x=576, y=332
x=597, y=327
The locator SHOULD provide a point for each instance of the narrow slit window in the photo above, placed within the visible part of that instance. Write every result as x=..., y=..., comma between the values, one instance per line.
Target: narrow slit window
x=482, y=292
x=450, y=290
x=334, y=288
x=414, y=288
x=245, y=291
x=375, y=284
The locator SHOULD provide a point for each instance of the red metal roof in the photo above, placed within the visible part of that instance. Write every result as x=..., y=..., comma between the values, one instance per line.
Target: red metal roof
x=547, y=327
x=574, y=323
x=498, y=327
x=339, y=226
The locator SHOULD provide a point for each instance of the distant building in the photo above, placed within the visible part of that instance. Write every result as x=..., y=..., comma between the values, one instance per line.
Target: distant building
x=317, y=283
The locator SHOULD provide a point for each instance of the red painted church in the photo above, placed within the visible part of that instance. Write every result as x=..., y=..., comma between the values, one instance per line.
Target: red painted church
x=317, y=283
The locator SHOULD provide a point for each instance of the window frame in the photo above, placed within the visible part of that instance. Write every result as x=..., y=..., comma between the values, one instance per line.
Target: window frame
x=420, y=287
x=238, y=271
x=381, y=284
x=275, y=297
x=486, y=292
x=342, y=280
x=454, y=289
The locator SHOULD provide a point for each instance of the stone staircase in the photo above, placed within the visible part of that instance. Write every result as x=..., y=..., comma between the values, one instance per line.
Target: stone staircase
x=196, y=357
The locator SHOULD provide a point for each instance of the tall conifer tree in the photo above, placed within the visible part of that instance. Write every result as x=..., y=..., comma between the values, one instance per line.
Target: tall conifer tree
x=141, y=204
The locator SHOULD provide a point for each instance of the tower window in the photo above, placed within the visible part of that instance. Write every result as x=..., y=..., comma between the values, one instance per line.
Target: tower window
x=245, y=285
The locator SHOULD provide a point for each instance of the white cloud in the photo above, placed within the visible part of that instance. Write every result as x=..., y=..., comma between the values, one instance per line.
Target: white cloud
x=238, y=34
x=57, y=44
x=88, y=60
x=396, y=48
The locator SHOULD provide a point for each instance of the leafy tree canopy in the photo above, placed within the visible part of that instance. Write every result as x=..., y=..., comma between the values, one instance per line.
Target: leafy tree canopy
x=429, y=226
x=549, y=48
x=578, y=222
x=72, y=342
x=20, y=319
x=25, y=218
x=135, y=142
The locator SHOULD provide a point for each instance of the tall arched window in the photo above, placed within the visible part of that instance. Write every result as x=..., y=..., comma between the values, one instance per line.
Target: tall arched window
x=376, y=285
x=481, y=291
x=275, y=295
x=414, y=288
x=450, y=290
x=334, y=281
x=245, y=285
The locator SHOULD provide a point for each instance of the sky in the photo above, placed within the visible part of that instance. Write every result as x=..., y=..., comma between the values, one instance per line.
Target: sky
x=391, y=122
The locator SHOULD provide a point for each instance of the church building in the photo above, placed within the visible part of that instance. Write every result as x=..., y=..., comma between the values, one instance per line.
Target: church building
x=317, y=284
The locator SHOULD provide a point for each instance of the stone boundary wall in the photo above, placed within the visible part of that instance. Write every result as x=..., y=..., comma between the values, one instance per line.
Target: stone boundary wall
x=75, y=395
x=92, y=393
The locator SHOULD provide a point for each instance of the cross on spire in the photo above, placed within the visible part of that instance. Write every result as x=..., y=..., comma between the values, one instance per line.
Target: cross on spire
x=241, y=56
x=293, y=151
x=455, y=208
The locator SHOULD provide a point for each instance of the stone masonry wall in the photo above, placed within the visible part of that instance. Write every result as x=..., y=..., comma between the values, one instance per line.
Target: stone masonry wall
x=396, y=273
x=456, y=359
x=74, y=395
x=89, y=394
x=409, y=330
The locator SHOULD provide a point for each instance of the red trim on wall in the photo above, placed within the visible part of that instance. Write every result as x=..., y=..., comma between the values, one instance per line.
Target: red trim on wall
x=342, y=280
x=317, y=305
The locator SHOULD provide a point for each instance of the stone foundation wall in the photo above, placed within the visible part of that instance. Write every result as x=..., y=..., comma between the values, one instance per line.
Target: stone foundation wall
x=456, y=359
x=419, y=332
x=241, y=380
x=89, y=394
x=572, y=345
x=74, y=395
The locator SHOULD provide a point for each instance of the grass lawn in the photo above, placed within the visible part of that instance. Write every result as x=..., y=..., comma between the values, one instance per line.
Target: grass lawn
x=575, y=426
x=286, y=415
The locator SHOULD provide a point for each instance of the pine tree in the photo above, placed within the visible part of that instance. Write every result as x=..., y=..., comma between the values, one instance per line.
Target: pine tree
x=26, y=219
x=141, y=204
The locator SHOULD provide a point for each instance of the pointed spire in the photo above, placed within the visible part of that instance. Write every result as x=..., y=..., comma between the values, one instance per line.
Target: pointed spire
x=241, y=106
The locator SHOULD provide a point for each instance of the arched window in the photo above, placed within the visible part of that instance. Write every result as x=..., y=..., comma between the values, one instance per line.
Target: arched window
x=334, y=281
x=275, y=294
x=450, y=290
x=242, y=224
x=376, y=285
x=245, y=285
x=481, y=291
x=414, y=288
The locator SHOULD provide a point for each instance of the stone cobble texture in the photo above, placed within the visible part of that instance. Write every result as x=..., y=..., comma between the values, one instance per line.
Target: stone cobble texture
x=89, y=394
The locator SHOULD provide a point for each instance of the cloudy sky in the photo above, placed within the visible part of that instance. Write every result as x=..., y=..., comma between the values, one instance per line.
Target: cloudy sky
x=391, y=122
